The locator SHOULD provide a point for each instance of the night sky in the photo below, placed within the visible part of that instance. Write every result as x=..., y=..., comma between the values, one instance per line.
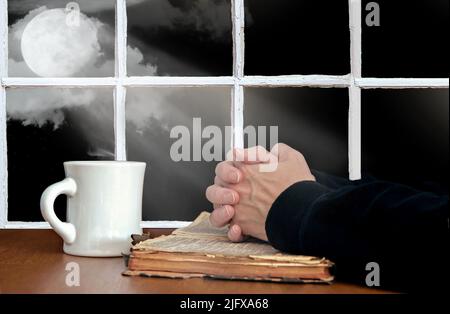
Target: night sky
x=405, y=132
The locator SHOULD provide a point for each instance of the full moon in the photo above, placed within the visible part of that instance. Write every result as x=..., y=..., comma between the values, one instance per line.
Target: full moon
x=51, y=47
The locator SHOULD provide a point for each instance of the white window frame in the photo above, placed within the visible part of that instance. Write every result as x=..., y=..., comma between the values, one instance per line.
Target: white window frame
x=353, y=81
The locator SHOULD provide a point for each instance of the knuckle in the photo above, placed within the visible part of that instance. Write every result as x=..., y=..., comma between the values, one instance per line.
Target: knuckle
x=260, y=149
x=218, y=168
x=297, y=153
x=208, y=192
x=283, y=145
x=228, y=208
x=217, y=192
x=213, y=219
x=300, y=156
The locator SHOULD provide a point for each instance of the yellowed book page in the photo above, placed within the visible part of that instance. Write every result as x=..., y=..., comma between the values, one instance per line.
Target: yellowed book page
x=216, y=246
x=202, y=227
x=201, y=237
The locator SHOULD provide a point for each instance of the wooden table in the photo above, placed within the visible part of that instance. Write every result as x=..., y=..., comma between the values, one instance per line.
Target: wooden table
x=32, y=261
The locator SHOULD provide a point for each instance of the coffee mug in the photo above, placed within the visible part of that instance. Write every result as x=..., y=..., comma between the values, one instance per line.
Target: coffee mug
x=104, y=206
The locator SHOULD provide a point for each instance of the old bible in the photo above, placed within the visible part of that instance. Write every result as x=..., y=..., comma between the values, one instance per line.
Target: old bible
x=200, y=250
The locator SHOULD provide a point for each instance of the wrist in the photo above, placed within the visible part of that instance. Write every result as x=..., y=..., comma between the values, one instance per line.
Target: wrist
x=287, y=214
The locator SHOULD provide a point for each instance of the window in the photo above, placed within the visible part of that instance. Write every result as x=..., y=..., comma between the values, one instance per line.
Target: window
x=311, y=120
x=405, y=136
x=409, y=42
x=115, y=75
x=174, y=190
x=46, y=126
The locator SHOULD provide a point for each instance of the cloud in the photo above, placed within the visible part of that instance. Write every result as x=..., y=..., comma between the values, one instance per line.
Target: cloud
x=47, y=106
x=41, y=106
x=15, y=32
x=161, y=107
x=210, y=17
x=102, y=63
x=44, y=105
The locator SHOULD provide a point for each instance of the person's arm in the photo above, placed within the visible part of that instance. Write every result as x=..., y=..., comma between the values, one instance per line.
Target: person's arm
x=330, y=181
x=404, y=230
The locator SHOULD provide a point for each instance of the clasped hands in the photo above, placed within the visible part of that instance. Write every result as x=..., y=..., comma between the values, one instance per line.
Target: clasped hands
x=248, y=183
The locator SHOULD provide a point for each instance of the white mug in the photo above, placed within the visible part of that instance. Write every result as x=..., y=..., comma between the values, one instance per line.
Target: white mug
x=104, y=206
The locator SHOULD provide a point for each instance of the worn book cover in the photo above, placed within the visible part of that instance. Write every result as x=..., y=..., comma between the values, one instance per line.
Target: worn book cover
x=200, y=250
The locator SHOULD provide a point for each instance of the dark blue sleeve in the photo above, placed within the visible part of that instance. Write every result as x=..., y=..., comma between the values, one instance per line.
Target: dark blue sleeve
x=404, y=230
x=330, y=181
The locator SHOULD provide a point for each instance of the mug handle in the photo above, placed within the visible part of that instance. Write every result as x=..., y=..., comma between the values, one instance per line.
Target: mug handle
x=65, y=230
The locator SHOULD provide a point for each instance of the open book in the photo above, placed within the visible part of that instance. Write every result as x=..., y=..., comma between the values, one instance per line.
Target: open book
x=200, y=250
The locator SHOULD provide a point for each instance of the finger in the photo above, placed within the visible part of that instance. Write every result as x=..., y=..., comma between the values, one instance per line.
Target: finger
x=235, y=234
x=254, y=155
x=228, y=173
x=221, y=216
x=220, y=182
x=219, y=195
x=281, y=151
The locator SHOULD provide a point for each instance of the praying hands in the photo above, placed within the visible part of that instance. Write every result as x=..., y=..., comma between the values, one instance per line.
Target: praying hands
x=246, y=186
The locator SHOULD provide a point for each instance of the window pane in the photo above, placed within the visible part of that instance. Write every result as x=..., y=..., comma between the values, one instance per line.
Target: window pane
x=46, y=39
x=179, y=37
x=174, y=190
x=313, y=121
x=411, y=41
x=406, y=135
x=297, y=37
x=45, y=128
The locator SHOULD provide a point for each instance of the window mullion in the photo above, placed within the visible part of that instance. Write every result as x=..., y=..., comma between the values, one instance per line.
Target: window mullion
x=401, y=83
x=121, y=73
x=237, y=99
x=354, y=120
x=3, y=146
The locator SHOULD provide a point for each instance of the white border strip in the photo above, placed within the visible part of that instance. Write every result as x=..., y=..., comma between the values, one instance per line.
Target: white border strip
x=144, y=224
x=354, y=119
x=237, y=94
x=402, y=83
x=3, y=146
